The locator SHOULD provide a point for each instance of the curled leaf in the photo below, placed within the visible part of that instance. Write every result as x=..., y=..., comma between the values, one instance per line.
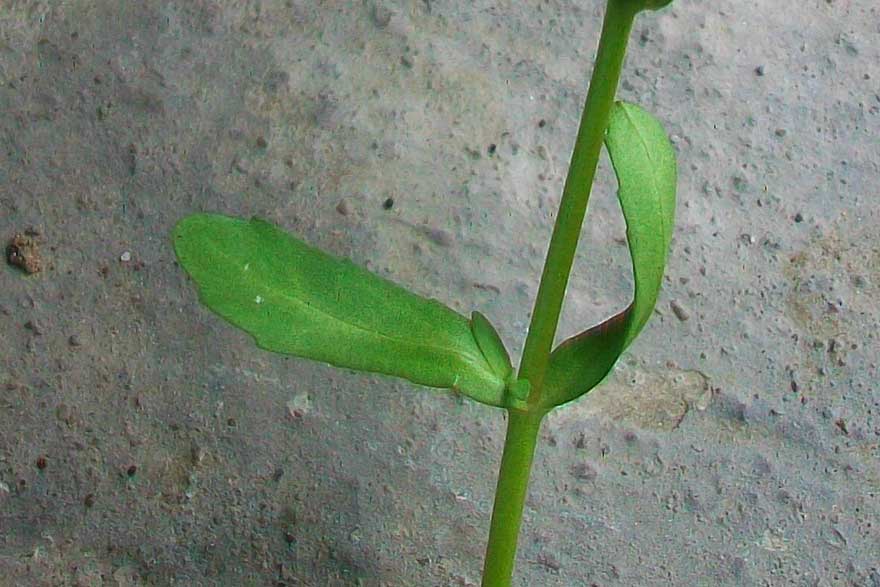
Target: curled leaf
x=644, y=163
x=297, y=300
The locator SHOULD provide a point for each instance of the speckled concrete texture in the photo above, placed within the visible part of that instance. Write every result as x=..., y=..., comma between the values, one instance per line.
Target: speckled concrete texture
x=145, y=442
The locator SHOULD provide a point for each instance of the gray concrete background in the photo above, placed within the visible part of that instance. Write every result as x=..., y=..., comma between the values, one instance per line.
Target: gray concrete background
x=143, y=441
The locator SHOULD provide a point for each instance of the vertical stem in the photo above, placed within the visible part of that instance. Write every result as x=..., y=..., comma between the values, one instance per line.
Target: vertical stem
x=523, y=426
x=510, y=497
x=600, y=98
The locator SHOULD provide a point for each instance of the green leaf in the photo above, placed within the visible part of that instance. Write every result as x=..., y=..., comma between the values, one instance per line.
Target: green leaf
x=491, y=345
x=644, y=163
x=297, y=300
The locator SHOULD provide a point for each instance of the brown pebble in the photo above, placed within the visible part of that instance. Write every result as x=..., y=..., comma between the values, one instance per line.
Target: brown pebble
x=74, y=340
x=343, y=208
x=131, y=470
x=22, y=252
x=680, y=311
x=197, y=455
x=42, y=462
x=89, y=500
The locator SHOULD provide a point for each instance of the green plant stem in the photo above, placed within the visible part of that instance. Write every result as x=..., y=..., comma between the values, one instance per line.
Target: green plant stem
x=523, y=426
x=510, y=496
x=576, y=193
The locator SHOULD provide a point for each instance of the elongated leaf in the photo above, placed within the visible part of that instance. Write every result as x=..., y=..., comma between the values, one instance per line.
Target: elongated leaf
x=297, y=300
x=644, y=163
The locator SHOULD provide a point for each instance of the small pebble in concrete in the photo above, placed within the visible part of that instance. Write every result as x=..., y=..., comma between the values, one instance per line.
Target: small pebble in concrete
x=22, y=252
x=680, y=311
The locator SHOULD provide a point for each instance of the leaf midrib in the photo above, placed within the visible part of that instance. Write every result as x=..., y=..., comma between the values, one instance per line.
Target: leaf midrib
x=652, y=176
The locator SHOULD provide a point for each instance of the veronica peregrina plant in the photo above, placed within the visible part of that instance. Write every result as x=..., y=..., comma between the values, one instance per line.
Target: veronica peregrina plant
x=299, y=301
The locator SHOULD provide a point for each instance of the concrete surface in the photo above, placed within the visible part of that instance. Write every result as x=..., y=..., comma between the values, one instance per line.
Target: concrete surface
x=143, y=441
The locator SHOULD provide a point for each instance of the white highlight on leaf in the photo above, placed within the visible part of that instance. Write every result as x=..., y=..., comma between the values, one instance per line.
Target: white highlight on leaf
x=259, y=299
x=247, y=266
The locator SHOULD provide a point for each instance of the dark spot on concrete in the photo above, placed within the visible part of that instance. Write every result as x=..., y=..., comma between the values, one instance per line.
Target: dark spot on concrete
x=275, y=81
x=584, y=472
x=130, y=158
x=487, y=287
x=34, y=327
x=438, y=236
x=549, y=561
x=381, y=15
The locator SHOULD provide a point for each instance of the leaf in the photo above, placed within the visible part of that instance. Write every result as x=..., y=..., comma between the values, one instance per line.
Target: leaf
x=297, y=300
x=644, y=163
x=491, y=345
